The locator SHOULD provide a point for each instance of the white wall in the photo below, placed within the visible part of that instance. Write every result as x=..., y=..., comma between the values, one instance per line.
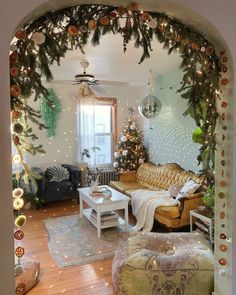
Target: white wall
x=63, y=147
x=170, y=132
x=217, y=12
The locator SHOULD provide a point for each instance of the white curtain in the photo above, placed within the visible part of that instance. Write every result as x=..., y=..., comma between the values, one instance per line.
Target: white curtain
x=85, y=126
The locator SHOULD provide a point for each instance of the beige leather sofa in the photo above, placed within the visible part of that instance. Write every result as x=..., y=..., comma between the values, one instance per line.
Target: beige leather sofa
x=161, y=177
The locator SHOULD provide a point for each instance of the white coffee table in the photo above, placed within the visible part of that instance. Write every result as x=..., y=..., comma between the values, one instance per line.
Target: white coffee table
x=101, y=204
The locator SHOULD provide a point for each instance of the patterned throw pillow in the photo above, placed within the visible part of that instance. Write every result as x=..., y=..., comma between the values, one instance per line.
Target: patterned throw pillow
x=189, y=188
x=57, y=174
x=174, y=190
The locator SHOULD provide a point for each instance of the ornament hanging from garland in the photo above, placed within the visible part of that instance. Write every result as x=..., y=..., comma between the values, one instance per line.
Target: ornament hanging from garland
x=50, y=108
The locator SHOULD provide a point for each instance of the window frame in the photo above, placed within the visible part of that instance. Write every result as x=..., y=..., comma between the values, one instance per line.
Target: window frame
x=113, y=103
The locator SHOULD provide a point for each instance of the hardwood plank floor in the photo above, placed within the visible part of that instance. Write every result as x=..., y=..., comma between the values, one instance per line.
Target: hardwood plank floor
x=87, y=279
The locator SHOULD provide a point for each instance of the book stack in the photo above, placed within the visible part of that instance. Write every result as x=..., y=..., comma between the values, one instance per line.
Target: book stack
x=99, y=192
x=107, y=216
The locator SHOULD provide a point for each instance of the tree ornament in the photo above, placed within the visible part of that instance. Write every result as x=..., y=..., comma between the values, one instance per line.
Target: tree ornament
x=18, y=128
x=104, y=20
x=20, y=220
x=224, y=59
x=50, y=108
x=92, y=25
x=14, y=71
x=197, y=136
x=19, y=252
x=125, y=153
x=19, y=269
x=112, y=15
x=38, y=38
x=18, y=203
x=152, y=23
x=195, y=46
x=224, y=81
x=224, y=104
x=16, y=140
x=115, y=164
x=209, y=50
x=73, y=31
x=21, y=35
x=150, y=107
x=132, y=127
x=15, y=114
x=123, y=138
x=15, y=90
x=17, y=193
x=224, y=69
x=116, y=154
x=83, y=29
x=177, y=38
x=16, y=159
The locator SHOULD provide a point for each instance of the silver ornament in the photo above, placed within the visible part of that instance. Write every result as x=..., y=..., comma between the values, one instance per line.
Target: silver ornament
x=150, y=107
x=152, y=23
x=19, y=269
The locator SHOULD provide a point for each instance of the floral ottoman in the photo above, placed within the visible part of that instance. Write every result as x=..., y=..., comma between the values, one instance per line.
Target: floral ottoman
x=163, y=264
x=29, y=278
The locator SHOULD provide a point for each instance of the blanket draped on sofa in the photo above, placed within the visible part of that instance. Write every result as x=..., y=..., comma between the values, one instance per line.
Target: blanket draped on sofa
x=144, y=204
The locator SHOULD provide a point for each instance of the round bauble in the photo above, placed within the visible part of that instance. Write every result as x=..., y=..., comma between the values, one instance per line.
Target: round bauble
x=38, y=38
x=20, y=220
x=73, y=31
x=16, y=140
x=92, y=25
x=15, y=114
x=132, y=127
x=14, y=71
x=125, y=153
x=21, y=35
x=116, y=154
x=18, y=128
x=18, y=203
x=145, y=16
x=115, y=164
x=224, y=81
x=15, y=90
x=83, y=29
x=150, y=107
x=18, y=234
x=209, y=50
x=123, y=138
x=152, y=24
x=16, y=158
x=104, y=20
x=19, y=252
x=13, y=57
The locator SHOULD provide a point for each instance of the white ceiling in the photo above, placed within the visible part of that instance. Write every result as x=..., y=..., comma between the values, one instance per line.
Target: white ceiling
x=107, y=61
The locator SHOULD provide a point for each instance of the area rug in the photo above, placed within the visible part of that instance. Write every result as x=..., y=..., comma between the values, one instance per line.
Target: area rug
x=73, y=241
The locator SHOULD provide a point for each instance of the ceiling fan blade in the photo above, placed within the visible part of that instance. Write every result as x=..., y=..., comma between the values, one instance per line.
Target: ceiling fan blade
x=97, y=88
x=113, y=83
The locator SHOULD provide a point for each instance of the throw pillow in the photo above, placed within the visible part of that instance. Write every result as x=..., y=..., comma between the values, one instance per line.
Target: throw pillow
x=189, y=188
x=57, y=174
x=174, y=190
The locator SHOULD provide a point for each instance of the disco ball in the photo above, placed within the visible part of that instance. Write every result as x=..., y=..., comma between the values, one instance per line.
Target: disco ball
x=150, y=107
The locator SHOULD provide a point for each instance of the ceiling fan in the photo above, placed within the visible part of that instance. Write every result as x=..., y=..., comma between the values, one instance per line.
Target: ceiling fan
x=90, y=81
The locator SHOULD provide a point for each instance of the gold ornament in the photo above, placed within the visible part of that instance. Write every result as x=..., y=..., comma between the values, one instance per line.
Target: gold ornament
x=20, y=220
x=92, y=25
x=15, y=90
x=18, y=203
x=17, y=193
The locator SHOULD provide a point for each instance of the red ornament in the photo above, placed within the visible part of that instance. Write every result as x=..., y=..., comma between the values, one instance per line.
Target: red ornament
x=15, y=115
x=15, y=90
x=21, y=35
x=224, y=104
x=14, y=57
x=112, y=14
x=19, y=234
x=222, y=215
x=92, y=25
x=224, y=81
x=209, y=50
x=14, y=71
x=222, y=261
x=195, y=46
x=19, y=252
x=104, y=20
x=73, y=31
x=16, y=140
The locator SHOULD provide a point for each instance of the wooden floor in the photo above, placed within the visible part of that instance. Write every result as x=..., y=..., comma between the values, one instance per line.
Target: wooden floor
x=87, y=279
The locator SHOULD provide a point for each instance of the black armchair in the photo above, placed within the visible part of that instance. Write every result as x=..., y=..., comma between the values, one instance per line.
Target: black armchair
x=50, y=191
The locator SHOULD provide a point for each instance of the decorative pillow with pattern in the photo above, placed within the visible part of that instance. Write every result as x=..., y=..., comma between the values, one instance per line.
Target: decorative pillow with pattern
x=189, y=188
x=174, y=190
x=57, y=174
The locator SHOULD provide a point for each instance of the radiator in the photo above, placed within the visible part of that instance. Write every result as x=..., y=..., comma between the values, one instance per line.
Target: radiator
x=106, y=176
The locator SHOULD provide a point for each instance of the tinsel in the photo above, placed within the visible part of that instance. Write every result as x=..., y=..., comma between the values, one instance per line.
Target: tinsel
x=50, y=108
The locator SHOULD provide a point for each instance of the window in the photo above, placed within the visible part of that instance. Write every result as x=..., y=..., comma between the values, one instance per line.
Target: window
x=97, y=128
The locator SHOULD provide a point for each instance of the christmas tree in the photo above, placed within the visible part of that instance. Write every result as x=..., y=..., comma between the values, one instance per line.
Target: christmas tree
x=130, y=151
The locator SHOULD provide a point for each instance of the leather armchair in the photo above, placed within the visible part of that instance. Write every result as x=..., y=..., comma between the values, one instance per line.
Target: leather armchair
x=50, y=191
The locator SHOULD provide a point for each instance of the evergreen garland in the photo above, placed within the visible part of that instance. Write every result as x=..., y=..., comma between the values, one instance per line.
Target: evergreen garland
x=46, y=40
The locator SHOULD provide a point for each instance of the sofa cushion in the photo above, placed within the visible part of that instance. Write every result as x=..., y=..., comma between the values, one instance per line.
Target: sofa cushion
x=125, y=186
x=60, y=187
x=174, y=189
x=57, y=173
x=168, y=211
x=189, y=188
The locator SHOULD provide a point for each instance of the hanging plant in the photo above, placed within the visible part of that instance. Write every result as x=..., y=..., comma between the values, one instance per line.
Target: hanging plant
x=50, y=108
x=39, y=45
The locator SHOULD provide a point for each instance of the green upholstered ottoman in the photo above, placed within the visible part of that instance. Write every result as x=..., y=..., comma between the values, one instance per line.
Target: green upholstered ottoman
x=163, y=264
